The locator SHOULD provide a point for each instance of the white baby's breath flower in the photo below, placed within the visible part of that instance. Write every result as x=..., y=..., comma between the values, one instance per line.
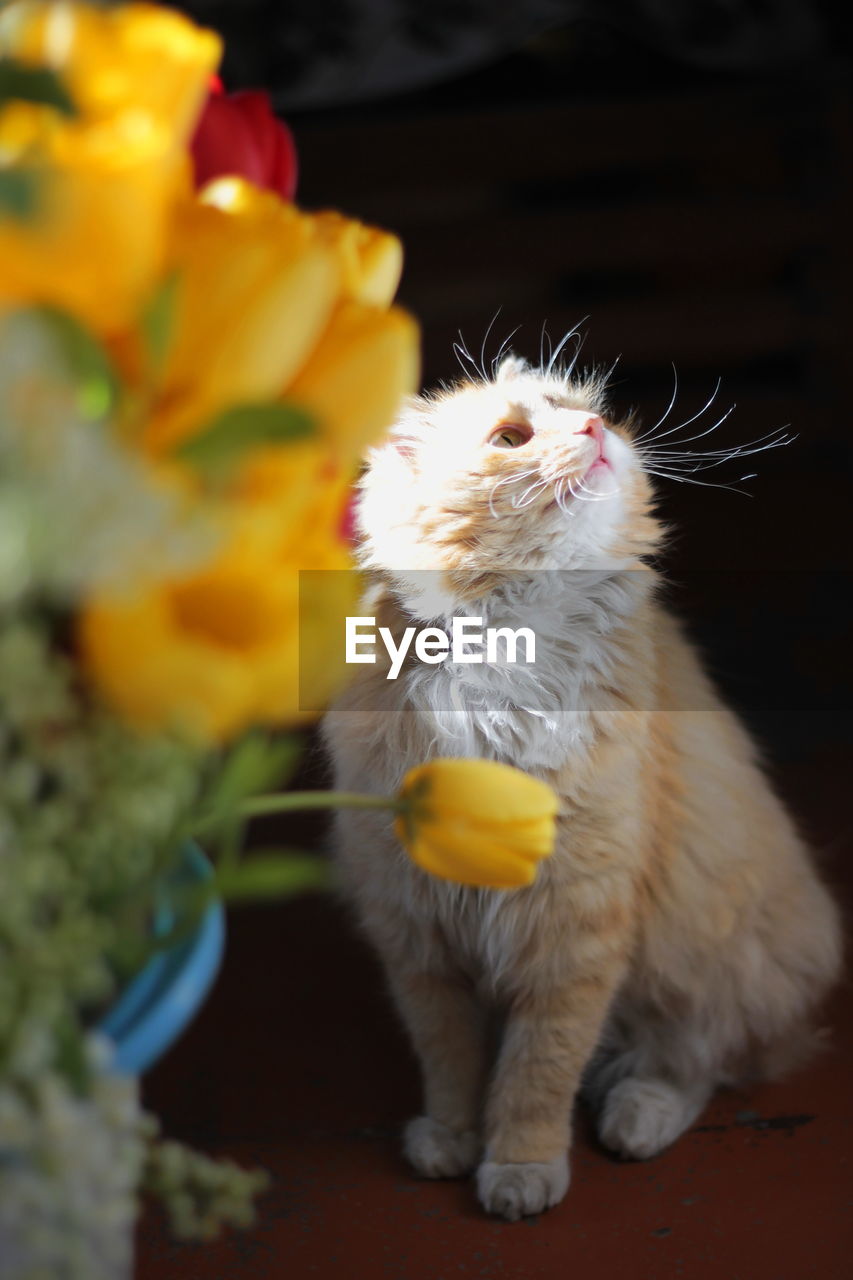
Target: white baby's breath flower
x=79, y=511
x=69, y=1169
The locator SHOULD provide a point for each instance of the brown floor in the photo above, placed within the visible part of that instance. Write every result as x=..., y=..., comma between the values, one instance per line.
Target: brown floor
x=297, y=1063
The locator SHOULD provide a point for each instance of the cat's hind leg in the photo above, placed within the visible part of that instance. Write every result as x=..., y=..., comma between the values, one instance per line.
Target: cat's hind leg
x=640, y=1116
x=648, y=1082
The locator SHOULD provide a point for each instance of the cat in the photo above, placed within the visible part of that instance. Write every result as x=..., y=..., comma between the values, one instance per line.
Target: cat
x=680, y=937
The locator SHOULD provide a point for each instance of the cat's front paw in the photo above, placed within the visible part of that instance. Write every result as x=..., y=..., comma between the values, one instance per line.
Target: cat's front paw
x=515, y=1190
x=435, y=1151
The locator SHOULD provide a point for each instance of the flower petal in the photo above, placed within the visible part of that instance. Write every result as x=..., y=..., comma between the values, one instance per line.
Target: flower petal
x=372, y=259
x=454, y=855
x=355, y=379
x=254, y=295
x=494, y=792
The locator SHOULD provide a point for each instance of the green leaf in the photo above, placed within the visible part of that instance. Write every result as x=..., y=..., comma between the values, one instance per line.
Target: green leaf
x=256, y=764
x=18, y=193
x=244, y=427
x=158, y=321
x=86, y=360
x=277, y=874
x=22, y=83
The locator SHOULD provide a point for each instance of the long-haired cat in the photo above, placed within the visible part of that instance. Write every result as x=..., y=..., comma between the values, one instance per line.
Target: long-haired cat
x=679, y=937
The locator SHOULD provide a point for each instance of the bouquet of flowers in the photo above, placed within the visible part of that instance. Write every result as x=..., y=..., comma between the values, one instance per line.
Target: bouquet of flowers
x=190, y=368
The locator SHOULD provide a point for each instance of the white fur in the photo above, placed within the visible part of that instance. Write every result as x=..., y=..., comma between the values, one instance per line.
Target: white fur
x=538, y=713
x=641, y=1117
x=434, y=1151
x=515, y=1191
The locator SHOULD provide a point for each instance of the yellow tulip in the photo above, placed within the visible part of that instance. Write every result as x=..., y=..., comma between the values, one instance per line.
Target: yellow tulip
x=356, y=377
x=218, y=650
x=477, y=822
x=109, y=177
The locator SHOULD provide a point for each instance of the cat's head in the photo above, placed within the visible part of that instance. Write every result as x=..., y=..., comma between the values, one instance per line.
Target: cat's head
x=522, y=472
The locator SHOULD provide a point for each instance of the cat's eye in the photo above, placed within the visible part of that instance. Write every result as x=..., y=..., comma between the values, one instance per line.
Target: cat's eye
x=510, y=435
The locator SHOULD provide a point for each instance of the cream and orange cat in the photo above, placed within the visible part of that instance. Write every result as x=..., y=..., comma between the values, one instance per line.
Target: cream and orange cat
x=680, y=937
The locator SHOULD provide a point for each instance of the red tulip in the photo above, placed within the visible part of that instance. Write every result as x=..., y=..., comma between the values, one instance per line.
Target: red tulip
x=238, y=135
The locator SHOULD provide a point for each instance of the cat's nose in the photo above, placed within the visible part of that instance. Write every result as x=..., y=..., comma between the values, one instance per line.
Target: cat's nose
x=594, y=427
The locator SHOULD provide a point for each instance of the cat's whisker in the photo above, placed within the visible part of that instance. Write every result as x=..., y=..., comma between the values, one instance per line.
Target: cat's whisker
x=515, y=478
x=706, y=484
x=608, y=374
x=555, y=355
x=585, y=495
x=542, y=337
x=533, y=490
x=670, y=406
x=482, y=365
x=704, y=409
x=560, y=497
x=567, y=373
x=460, y=350
x=699, y=435
x=502, y=348
x=771, y=440
x=705, y=460
x=683, y=465
x=715, y=458
x=595, y=493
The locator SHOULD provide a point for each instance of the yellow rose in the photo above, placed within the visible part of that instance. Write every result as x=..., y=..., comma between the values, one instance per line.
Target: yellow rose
x=109, y=177
x=159, y=671
x=477, y=822
x=357, y=375
x=372, y=260
x=218, y=650
x=254, y=295
x=268, y=307
x=263, y=312
x=134, y=57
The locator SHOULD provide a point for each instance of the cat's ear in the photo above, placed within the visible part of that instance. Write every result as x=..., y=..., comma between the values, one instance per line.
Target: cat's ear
x=396, y=447
x=406, y=446
x=511, y=367
x=406, y=435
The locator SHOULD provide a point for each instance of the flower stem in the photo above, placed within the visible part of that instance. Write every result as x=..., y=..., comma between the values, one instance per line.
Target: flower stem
x=258, y=806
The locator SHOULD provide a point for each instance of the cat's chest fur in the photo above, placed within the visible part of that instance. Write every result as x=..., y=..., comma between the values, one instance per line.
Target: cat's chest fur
x=536, y=715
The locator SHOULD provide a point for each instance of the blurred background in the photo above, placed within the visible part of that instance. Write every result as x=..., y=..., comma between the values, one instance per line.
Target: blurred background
x=676, y=177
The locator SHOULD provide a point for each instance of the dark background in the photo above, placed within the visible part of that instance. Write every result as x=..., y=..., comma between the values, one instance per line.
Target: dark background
x=681, y=175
